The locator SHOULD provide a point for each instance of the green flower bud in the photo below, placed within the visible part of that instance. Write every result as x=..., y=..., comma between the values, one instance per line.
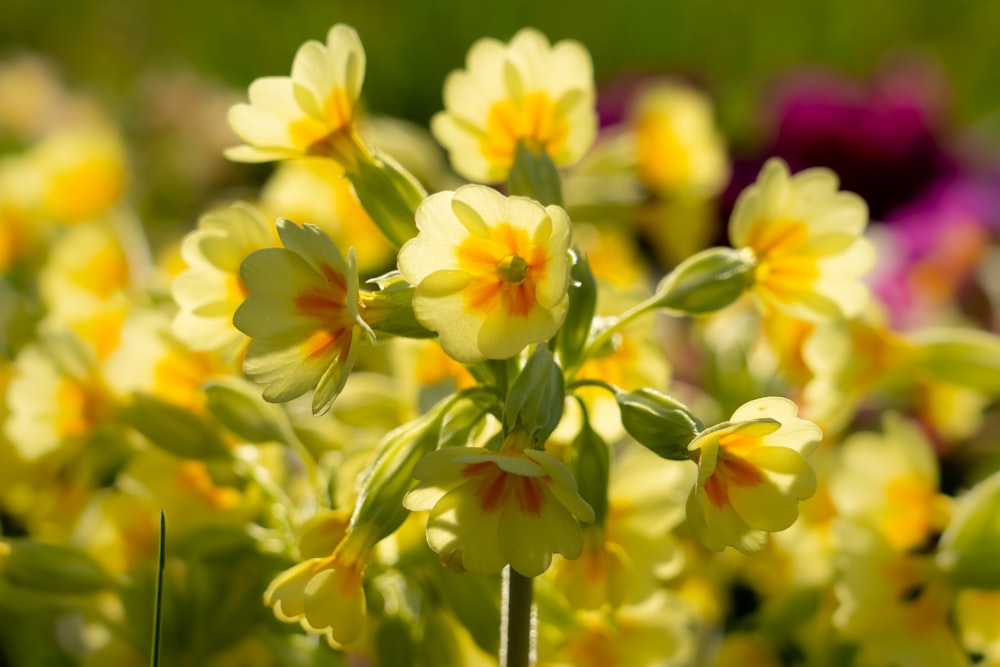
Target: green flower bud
x=390, y=195
x=969, y=550
x=535, y=400
x=390, y=309
x=238, y=406
x=588, y=458
x=706, y=282
x=390, y=475
x=579, y=316
x=174, y=429
x=660, y=423
x=51, y=568
x=534, y=175
x=966, y=357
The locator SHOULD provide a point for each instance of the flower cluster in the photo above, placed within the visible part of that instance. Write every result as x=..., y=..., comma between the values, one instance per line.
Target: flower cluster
x=403, y=411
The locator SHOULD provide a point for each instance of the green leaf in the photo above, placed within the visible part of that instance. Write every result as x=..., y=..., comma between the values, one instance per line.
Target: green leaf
x=662, y=424
x=174, y=429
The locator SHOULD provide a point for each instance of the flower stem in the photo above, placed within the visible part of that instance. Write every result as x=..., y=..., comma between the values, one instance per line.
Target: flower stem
x=518, y=630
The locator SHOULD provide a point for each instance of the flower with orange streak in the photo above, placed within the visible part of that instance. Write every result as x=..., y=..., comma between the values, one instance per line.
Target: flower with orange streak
x=310, y=113
x=526, y=92
x=806, y=237
x=492, y=272
x=516, y=505
x=752, y=472
x=302, y=314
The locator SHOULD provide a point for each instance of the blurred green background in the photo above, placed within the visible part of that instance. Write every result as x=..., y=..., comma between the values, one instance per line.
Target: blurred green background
x=733, y=47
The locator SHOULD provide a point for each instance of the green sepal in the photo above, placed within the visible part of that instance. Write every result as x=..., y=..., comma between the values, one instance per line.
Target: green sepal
x=706, y=282
x=390, y=195
x=965, y=357
x=573, y=334
x=589, y=459
x=51, y=568
x=969, y=549
x=662, y=424
x=535, y=400
x=173, y=428
x=237, y=405
x=534, y=175
x=390, y=475
x=390, y=310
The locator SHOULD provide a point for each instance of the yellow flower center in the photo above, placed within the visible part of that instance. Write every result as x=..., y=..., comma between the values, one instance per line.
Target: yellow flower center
x=506, y=266
x=662, y=159
x=530, y=119
x=784, y=268
x=331, y=135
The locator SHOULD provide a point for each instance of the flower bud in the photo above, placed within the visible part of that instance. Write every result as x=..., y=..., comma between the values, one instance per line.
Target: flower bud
x=535, y=400
x=174, y=429
x=707, y=281
x=589, y=460
x=238, y=406
x=969, y=551
x=966, y=357
x=582, y=304
x=660, y=423
x=534, y=175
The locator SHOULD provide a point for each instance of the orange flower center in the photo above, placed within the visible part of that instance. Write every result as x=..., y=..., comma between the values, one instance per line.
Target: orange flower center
x=496, y=488
x=506, y=266
x=327, y=305
x=531, y=119
x=732, y=469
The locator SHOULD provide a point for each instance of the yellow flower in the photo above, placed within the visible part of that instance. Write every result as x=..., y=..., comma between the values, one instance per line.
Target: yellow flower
x=678, y=148
x=325, y=594
x=302, y=314
x=310, y=113
x=526, y=92
x=752, y=472
x=516, y=505
x=492, y=272
x=210, y=290
x=806, y=238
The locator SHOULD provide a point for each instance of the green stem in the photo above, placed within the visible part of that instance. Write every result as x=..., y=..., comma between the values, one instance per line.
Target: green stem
x=605, y=334
x=518, y=630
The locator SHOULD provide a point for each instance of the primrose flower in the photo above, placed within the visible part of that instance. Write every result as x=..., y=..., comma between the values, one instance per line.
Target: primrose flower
x=325, y=593
x=302, y=314
x=806, y=238
x=752, y=472
x=310, y=113
x=492, y=272
x=517, y=505
x=527, y=92
x=210, y=290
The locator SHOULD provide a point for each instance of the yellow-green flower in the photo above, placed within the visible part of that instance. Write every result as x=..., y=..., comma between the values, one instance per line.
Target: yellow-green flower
x=310, y=113
x=488, y=509
x=210, y=290
x=302, y=314
x=752, y=472
x=526, y=92
x=805, y=235
x=492, y=272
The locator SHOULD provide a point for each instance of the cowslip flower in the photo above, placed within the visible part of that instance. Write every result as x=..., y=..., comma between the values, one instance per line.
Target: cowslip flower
x=302, y=314
x=526, y=92
x=310, y=113
x=491, y=272
x=488, y=509
x=210, y=290
x=752, y=472
x=805, y=236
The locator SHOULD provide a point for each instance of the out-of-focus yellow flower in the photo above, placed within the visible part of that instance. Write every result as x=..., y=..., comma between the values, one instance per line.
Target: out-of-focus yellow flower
x=890, y=481
x=310, y=113
x=752, y=472
x=315, y=191
x=895, y=605
x=210, y=290
x=302, y=314
x=19, y=226
x=806, y=237
x=977, y=615
x=527, y=92
x=488, y=509
x=492, y=272
x=82, y=170
x=324, y=593
x=678, y=148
